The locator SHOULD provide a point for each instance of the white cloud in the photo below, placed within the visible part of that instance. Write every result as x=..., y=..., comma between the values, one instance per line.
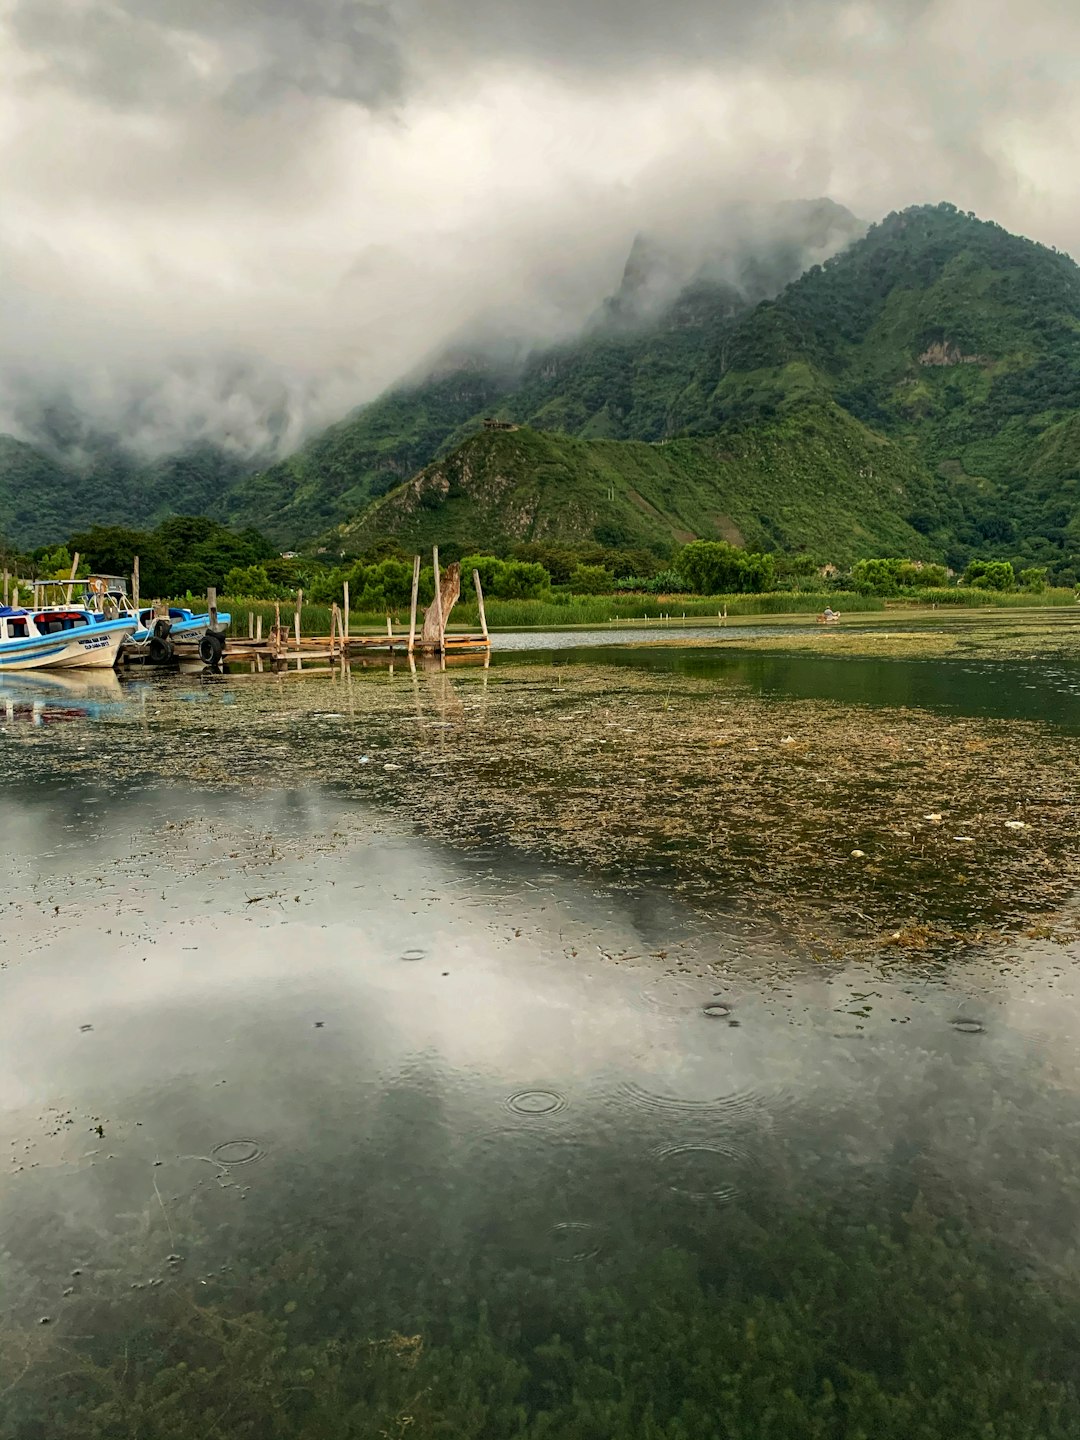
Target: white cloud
x=260, y=209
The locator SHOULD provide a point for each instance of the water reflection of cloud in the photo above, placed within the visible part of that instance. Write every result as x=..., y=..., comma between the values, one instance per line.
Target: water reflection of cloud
x=272, y=1002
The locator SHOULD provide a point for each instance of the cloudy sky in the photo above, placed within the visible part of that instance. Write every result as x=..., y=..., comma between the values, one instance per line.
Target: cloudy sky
x=220, y=201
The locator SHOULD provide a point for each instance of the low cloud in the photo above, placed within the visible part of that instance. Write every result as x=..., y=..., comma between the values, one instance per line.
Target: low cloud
x=237, y=220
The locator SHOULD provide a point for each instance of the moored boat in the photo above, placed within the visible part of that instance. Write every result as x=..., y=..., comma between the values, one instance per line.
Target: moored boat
x=107, y=594
x=60, y=637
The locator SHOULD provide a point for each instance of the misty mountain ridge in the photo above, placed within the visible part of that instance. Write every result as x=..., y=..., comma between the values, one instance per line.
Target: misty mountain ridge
x=670, y=283
x=938, y=342
x=939, y=355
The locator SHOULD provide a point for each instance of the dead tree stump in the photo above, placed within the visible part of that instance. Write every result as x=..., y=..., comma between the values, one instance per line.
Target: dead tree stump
x=437, y=614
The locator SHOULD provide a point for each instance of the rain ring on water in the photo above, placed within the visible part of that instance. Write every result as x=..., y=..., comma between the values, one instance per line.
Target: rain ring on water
x=702, y=1172
x=237, y=1152
x=716, y=1010
x=536, y=1102
x=575, y=1240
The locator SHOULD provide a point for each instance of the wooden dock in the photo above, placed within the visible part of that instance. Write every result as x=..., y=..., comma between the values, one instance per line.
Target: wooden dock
x=284, y=646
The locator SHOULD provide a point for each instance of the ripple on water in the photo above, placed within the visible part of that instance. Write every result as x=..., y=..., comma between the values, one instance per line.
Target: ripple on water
x=414, y=955
x=575, y=1240
x=967, y=1027
x=716, y=1010
x=237, y=1152
x=738, y=1103
x=702, y=1172
x=536, y=1102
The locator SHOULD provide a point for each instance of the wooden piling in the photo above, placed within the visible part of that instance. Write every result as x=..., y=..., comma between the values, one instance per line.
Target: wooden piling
x=480, y=603
x=412, y=602
x=135, y=583
x=345, y=614
x=438, y=596
x=251, y=625
x=71, y=581
x=277, y=629
x=389, y=628
x=258, y=627
x=6, y=582
x=211, y=606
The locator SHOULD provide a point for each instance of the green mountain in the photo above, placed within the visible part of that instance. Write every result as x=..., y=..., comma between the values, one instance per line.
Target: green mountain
x=938, y=337
x=620, y=379
x=817, y=479
x=46, y=493
x=919, y=391
x=953, y=337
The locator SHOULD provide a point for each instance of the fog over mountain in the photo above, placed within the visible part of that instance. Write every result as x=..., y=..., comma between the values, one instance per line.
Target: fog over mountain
x=236, y=220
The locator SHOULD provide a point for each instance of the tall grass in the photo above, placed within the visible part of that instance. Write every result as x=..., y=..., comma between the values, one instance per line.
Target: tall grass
x=965, y=596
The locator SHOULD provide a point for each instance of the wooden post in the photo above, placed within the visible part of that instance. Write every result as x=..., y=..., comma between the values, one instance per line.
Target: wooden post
x=15, y=598
x=6, y=580
x=389, y=628
x=299, y=606
x=480, y=604
x=438, y=595
x=71, y=582
x=345, y=614
x=412, y=602
x=211, y=606
x=135, y=584
x=277, y=629
x=258, y=627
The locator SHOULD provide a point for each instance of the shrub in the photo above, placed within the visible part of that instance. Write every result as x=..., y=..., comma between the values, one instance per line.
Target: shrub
x=591, y=580
x=713, y=567
x=990, y=575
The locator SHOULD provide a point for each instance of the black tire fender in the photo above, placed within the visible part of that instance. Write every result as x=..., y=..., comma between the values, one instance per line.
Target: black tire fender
x=211, y=647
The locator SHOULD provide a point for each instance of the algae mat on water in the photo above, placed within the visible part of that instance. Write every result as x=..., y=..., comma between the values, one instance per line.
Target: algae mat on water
x=860, y=829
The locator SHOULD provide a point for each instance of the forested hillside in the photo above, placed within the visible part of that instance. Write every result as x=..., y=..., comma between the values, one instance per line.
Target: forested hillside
x=939, y=343
x=620, y=379
x=817, y=481
x=954, y=337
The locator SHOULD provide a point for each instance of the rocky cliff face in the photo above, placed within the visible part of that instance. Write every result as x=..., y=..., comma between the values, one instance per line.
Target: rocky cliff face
x=947, y=352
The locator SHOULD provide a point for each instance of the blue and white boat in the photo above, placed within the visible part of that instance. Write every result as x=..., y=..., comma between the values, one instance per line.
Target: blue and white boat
x=60, y=637
x=183, y=624
x=107, y=595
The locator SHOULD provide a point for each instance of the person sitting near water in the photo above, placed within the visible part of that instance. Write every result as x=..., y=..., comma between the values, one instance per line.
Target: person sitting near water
x=829, y=614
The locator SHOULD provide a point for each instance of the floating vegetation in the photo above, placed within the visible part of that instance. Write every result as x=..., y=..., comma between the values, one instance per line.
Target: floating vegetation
x=638, y=775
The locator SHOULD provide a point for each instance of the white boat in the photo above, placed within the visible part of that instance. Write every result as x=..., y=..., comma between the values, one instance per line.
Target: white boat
x=60, y=637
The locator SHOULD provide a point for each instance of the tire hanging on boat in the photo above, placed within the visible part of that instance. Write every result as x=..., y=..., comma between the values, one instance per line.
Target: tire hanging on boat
x=159, y=651
x=161, y=627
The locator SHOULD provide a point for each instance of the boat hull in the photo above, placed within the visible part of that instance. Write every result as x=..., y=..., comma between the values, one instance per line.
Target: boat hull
x=193, y=629
x=96, y=647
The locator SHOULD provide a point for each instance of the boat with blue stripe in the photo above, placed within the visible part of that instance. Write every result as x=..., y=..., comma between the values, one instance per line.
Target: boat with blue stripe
x=61, y=637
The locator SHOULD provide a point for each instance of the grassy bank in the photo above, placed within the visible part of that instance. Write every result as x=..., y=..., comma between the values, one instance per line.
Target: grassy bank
x=562, y=610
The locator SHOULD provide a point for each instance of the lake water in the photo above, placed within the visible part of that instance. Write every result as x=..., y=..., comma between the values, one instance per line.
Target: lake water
x=316, y=1125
